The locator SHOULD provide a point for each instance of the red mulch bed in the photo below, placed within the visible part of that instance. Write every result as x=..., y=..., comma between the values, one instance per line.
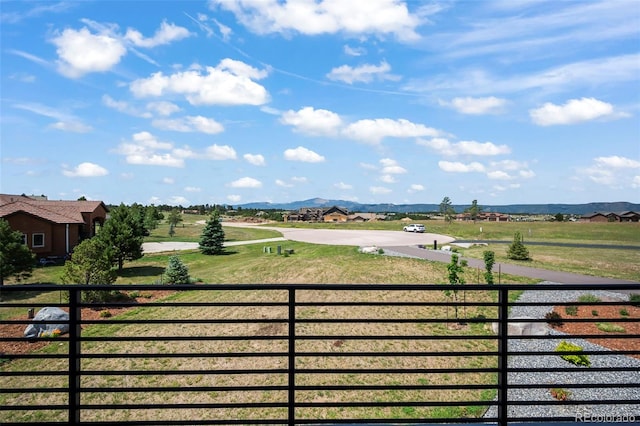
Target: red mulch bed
x=604, y=314
x=17, y=330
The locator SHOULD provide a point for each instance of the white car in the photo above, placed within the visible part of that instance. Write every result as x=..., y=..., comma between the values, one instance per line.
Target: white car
x=414, y=227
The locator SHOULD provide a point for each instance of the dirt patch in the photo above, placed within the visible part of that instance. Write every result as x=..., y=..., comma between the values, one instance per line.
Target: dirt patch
x=605, y=314
x=25, y=346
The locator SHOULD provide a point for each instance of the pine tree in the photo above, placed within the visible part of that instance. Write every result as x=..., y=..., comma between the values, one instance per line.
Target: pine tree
x=15, y=257
x=122, y=234
x=212, y=237
x=517, y=250
x=176, y=272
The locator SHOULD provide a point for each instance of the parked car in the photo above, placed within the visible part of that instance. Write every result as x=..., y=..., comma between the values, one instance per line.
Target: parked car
x=414, y=227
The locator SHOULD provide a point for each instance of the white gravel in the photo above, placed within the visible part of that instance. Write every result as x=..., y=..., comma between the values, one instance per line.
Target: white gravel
x=582, y=375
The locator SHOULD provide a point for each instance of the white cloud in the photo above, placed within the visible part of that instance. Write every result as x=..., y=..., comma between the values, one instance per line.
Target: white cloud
x=86, y=170
x=498, y=175
x=234, y=198
x=415, y=187
x=164, y=35
x=388, y=179
x=218, y=152
x=477, y=106
x=163, y=108
x=617, y=162
x=527, y=174
x=342, y=185
x=71, y=126
x=635, y=183
x=373, y=131
x=376, y=17
x=299, y=179
x=123, y=107
x=192, y=189
x=613, y=171
x=246, y=182
x=80, y=52
x=143, y=150
x=445, y=147
x=177, y=200
x=457, y=167
x=354, y=51
x=255, y=159
x=312, y=121
x=303, y=154
x=229, y=83
x=362, y=74
x=574, y=111
x=283, y=184
x=168, y=180
x=190, y=124
x=391, y=167
x=378, y=190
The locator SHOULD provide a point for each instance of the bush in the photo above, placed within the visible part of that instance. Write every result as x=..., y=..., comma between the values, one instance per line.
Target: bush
x=105, y=314
x=577, y=359
x=589, y=298
x=560, y=394
x=624, y=312
x=554, y=319
x=571, y=310
x=607, y=327
x=634, y=299
x=594, y=313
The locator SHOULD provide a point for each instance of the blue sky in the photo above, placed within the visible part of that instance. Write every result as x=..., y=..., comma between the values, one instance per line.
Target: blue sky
x=375, y=101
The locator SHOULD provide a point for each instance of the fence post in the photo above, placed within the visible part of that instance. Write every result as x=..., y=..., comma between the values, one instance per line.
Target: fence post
x=74, y=355
x=291, y=386
x=503, y=342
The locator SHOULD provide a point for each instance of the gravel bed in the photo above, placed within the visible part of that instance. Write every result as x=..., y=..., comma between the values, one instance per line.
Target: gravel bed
x=582, y=375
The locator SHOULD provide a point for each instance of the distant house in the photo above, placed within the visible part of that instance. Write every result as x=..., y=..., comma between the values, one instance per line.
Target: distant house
x=626, y=216
x=485, y=217
x=52, y=228
x=365, y=217
x=335, y=214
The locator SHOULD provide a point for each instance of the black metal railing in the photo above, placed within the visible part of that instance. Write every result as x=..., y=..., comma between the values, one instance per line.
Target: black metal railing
x=316, y=354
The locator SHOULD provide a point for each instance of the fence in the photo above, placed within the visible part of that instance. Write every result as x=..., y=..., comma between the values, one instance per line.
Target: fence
x=320, y=354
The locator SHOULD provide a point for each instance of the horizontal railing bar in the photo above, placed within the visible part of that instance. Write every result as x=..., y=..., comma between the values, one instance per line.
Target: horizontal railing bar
x=331, y=287
x=168, y=422
x=167, y=406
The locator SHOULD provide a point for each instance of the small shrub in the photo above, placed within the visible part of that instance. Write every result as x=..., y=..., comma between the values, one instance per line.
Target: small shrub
x=554, y=319
x=624, y=312
x=577, y=359
x=594, y=313
x=176, y=272
x=589, y=298
x=571, y=310
x=608, y=327
x=634, y=299
x=105, y=314
x=134, y=294
x=380, y=251
x=560, y=394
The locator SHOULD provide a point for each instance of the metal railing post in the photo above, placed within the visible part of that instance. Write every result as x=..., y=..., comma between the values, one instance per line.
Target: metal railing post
x=503, y=342
x=74, y=355
x=291, y=373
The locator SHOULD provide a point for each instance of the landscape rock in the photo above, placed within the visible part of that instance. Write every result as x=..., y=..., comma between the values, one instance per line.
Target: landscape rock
x=48, y=314
x=519, y=326
x=370, y=249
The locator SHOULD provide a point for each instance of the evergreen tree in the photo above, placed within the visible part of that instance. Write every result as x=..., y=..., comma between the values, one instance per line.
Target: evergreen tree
x=474, y=210
x=122, y=235
x=176, y=272
x=15, y=257
x=517, y=250
x=212, y=237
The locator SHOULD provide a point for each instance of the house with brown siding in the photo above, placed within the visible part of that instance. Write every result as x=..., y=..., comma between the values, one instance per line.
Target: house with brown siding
x=52, y=228
x=626, y=216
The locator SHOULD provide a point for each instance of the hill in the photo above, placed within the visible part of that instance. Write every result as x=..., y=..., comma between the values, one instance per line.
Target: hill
x=577, y=209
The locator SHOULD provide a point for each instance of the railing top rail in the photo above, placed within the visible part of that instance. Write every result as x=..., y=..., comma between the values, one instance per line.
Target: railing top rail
x=336, y=286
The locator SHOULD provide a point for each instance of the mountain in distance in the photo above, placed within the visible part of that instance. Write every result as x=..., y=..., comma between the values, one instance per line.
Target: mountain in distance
x=352, y=206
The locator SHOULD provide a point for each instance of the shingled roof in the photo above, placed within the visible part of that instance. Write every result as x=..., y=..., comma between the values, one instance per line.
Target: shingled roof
x=52, y=211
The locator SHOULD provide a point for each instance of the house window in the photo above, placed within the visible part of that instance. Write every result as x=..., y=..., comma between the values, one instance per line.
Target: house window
x=37, y=240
